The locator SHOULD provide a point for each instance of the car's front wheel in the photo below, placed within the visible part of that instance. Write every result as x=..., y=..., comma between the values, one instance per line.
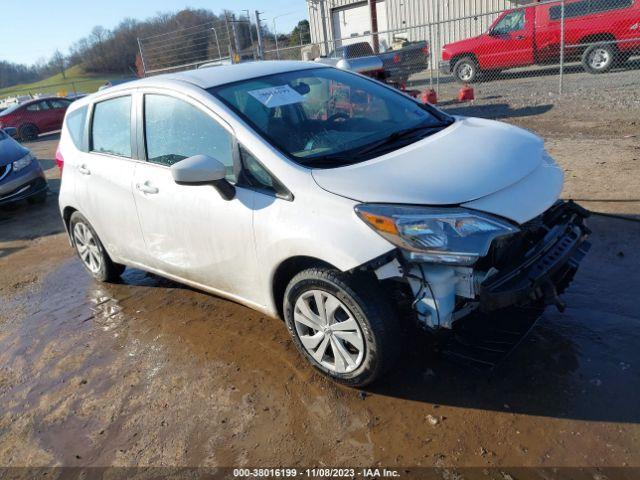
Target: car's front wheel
x=89, y=248
x=342, y=324
x=599, y=58
x=466, y=70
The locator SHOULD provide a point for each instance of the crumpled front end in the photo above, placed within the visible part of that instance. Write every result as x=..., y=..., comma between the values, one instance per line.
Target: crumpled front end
x=533, y=265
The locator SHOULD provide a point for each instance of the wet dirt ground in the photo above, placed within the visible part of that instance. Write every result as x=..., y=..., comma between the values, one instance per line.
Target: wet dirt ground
x=149, y=373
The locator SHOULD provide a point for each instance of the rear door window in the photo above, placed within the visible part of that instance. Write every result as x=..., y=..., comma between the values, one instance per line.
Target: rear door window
x=111, y=127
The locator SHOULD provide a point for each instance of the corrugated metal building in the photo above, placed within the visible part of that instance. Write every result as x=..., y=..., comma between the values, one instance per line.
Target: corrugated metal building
x=348, y=21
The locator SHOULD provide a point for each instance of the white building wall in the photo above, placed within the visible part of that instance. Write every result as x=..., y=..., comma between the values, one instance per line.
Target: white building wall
x=456, y=19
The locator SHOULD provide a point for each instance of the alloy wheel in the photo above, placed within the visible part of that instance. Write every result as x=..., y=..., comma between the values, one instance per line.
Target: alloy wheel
x=465, y=72
x=87, y=247
x=599, y=58
x=328, y=331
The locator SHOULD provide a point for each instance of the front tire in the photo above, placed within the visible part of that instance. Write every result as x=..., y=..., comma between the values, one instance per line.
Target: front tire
x=28, y=132
x=599, y=58
x=91, y=252
x=466, y=70
x=342, y=324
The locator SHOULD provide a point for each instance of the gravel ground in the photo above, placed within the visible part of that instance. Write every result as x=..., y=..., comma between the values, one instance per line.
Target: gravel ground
x=149, y=373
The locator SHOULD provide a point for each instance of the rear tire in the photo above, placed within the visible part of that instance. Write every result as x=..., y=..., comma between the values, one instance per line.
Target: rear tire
x=466, y=70
x=359, y=325
x=91, y=252
x=28, y=132
x=599, y=58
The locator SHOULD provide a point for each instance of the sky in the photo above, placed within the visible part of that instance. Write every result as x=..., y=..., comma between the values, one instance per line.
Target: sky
x=36, y=32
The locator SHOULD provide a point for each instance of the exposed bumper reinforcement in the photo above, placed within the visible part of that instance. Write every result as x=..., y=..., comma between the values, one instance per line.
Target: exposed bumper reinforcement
x=548, y=268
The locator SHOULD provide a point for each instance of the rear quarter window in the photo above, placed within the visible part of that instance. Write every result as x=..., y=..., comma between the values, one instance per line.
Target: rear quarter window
x=76, y=125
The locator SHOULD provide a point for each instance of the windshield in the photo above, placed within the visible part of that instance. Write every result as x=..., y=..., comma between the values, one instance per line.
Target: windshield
x=327, y=117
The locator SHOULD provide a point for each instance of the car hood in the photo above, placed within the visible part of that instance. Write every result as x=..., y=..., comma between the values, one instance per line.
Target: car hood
x=10, y=151
x=469, y=160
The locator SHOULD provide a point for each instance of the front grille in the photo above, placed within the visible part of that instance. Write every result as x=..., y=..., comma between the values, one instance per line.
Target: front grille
x=4, y=171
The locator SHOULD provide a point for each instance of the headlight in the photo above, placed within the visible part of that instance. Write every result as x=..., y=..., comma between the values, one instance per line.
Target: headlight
x=440, y=235
x=23, y=162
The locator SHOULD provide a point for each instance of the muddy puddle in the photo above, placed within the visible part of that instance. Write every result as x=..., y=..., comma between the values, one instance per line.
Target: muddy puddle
x=147, y=372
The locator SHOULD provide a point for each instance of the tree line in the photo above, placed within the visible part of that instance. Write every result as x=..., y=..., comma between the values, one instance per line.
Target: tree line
x=175, y=38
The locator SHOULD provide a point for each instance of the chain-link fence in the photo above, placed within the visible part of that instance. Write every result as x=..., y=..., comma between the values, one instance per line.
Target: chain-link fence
x=231, y=40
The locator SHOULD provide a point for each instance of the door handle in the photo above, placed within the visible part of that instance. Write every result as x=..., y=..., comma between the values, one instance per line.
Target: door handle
x=84, y=170
x=520, y=37
x=146, y=188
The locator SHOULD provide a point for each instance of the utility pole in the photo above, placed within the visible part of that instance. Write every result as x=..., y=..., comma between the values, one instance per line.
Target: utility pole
x=236, y=37
x=250, y=32
x=374, y=26
x=323, y=17
x=226, y=21
x=259, y=33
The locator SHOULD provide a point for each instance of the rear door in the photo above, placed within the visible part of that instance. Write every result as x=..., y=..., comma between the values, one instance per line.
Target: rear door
x=190, y=231
x=58, y=107
x=104, y=175
x=510, y=41
x=39, y=114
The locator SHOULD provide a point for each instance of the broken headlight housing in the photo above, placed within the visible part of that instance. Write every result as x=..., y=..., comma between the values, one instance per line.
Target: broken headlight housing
x=453, y=236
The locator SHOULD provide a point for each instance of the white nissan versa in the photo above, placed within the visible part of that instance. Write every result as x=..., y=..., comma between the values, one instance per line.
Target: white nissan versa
x=315, y=194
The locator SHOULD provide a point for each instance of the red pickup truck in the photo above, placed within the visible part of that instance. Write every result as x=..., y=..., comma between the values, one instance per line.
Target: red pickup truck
x=601, y=33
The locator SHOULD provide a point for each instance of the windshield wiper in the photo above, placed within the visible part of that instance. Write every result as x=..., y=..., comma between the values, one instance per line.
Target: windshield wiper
x=400, y=135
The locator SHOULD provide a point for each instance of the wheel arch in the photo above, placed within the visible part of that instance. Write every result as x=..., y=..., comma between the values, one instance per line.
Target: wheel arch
x=66, y=218
x=288, y=269
x=598, y=37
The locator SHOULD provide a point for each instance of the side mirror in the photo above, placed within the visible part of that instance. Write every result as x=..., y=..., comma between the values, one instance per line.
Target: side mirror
x=11, y=131
x=202, y=170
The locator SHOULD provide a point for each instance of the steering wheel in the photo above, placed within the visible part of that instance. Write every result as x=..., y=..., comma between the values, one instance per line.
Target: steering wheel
x=338, y=116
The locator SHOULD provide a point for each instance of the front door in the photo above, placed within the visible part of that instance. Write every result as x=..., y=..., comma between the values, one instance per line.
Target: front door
x=190, y=231
x=510, y=41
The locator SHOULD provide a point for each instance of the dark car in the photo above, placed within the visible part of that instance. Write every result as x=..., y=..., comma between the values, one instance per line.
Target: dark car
x=34, y=117
x=21, y=177
x=397, y=64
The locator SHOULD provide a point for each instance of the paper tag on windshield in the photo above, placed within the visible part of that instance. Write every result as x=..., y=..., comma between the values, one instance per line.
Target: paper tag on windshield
x=276, y=96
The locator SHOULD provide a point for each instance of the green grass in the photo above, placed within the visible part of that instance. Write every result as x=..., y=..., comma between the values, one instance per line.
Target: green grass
x=75, y=77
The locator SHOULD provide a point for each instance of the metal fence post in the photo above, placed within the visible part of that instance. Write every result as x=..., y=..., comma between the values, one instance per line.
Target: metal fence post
x=562, y=42
x=144, y=65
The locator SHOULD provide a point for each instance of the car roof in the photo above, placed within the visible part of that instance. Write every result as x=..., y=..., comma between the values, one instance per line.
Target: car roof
x=205, y=77
x=221, y=74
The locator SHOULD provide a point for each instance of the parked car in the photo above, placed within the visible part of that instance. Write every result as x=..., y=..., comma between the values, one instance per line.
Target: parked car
x=396, y=65
x=248, y=182
x=601, y=33
x=34, y=117
x=21, y=177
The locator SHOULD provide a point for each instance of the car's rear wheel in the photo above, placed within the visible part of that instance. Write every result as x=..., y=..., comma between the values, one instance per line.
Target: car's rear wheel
x=91, y=252
x=342, y=324
x=599, y=58
x=466, y=70
x=28, y=132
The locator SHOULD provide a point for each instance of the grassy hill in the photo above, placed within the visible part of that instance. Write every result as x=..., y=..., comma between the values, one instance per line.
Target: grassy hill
x=76, y=78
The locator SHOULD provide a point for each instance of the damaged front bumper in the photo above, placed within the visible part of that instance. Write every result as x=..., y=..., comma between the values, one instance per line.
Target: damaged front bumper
x=534, y=265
